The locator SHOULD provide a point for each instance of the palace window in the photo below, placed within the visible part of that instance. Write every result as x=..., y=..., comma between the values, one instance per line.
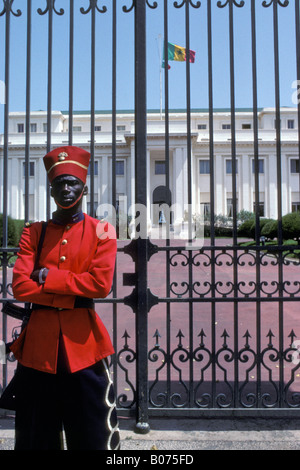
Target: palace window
x=295, y=206
x=294, y=165
x=160, y=167
x=229, y=167
x=260, y=166
x=31, y=169
x=229, y=207
x=120, y=168
x=205, y=209
x=95, y=168
x=261, y=209
x=204, y=167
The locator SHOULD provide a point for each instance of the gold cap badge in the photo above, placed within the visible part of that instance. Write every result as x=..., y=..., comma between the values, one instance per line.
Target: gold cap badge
x=62, y=156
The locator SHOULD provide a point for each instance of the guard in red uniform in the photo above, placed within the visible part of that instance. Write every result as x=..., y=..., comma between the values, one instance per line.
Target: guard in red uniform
x=62, y=352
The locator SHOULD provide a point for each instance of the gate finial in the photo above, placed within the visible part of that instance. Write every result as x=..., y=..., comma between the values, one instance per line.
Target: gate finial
x=7, y=7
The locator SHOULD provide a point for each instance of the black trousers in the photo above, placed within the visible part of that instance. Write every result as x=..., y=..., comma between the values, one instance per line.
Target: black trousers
x=81, y=404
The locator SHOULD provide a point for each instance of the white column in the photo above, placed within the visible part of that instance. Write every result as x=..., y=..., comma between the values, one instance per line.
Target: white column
x=40, y=180
x=14, y=189
x=104, y=181
x=272, y=188
x=128, y=183
x=285, y=187
x=180, y=197
x=219, y=185
x=131, y=206
x=21, y=190
x=97, y=184
x=195, y=182
x=246, y=188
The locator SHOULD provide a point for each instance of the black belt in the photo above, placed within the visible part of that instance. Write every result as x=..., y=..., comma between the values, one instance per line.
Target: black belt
x=80, y=302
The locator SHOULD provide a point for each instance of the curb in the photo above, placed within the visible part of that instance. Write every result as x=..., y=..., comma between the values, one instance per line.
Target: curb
x=196, y=434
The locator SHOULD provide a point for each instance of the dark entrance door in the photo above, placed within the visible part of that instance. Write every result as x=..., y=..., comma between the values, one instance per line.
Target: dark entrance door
x=162, y=201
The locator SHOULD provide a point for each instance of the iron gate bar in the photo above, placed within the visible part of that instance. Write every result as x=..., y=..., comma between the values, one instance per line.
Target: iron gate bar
x=189, y=185
x=141, y=316
x=93, y=4
x=71, y=71
x=297, y=27
x=256, y=189
x=27, y=117
x=92, y=8
x=27, y=106
x=279, y=180
x=234, y=192
x=49, y=8
x=230, y=4
x=6, y=10
x=114, y=179
x=167, y=182
x=255, y=121
x=114, y=103
x=212, y=193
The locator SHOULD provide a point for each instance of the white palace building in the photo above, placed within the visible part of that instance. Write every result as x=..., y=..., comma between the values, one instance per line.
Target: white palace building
x=200, y=151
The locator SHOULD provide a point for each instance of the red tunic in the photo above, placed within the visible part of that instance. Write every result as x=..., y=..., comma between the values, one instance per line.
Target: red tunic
x=81, y=260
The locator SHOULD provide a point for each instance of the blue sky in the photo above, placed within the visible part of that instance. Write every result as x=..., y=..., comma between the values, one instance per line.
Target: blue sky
x=125, y=56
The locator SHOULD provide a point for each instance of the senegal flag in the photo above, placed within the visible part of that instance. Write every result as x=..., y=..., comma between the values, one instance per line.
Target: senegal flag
x=179, y=53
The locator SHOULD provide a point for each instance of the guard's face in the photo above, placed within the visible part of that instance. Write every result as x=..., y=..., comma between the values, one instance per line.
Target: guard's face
x=66, y=189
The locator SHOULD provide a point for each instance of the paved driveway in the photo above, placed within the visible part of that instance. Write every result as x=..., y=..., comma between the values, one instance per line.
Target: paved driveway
x=204, y=316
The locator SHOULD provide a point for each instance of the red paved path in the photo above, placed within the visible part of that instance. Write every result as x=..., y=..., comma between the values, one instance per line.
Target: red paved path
x=202, y=312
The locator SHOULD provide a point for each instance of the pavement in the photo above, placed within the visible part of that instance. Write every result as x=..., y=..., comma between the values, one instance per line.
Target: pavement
x=184, y=435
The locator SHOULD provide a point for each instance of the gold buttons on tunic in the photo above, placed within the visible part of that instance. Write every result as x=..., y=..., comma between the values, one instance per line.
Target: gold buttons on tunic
x=62, y=259
x=64, y=242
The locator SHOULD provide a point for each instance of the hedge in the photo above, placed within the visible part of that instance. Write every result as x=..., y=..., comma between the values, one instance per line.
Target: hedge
x=269, y=228
x=14, y=231
x=291, y=226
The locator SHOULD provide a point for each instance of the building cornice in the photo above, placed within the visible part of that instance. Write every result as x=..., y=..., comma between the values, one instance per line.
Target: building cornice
x=43, y=147
x=239, y=143
x=129, y=138
x=171, y=111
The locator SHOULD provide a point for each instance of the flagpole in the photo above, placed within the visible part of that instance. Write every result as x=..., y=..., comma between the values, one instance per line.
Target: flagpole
x=160, y=73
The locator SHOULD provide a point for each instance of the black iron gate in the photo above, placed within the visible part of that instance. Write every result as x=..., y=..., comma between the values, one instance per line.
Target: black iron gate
x=209, y=330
